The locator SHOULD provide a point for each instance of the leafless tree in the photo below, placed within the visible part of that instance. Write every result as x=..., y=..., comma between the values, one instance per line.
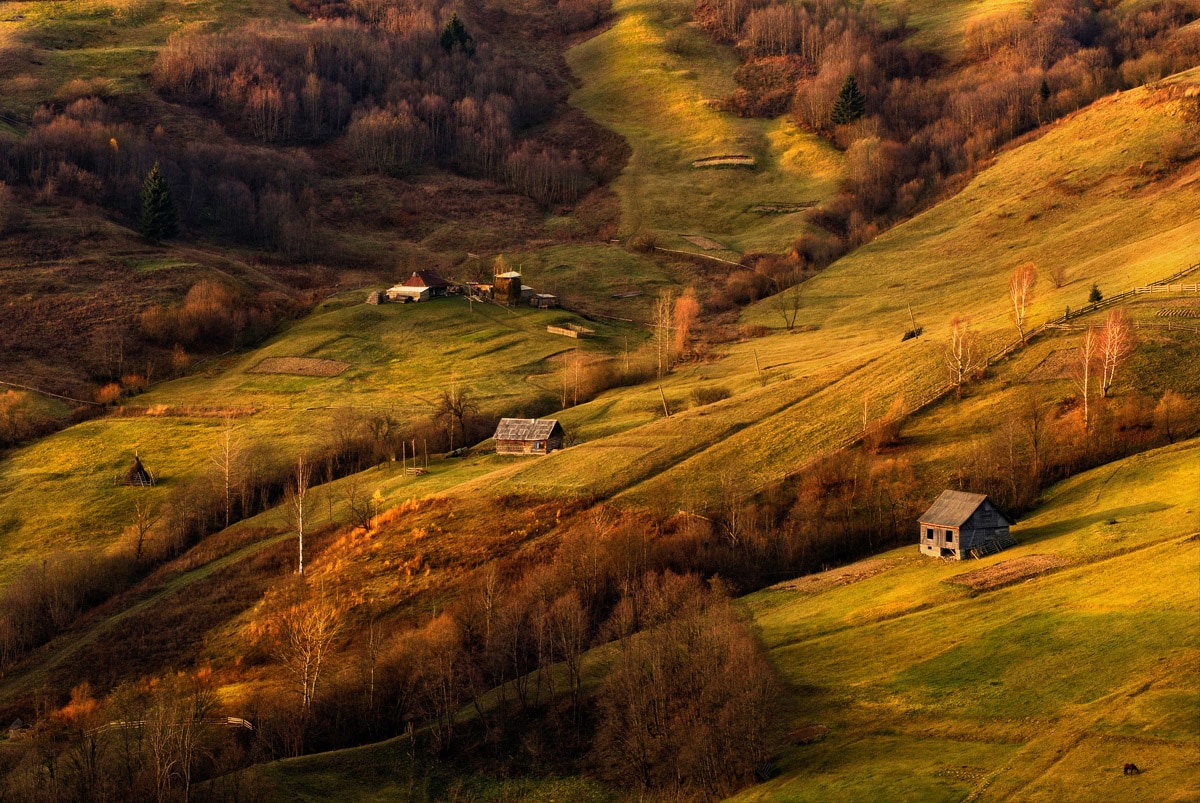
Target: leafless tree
x=963, y=355
x=1020, y=294
x=144, y=519
x=360, y=503
x=1057, y=273
x=225, y=461
x=1117, y=343
x=786, y=302
x=1171, y=414
x=306, y=634
x=1083, y=370
x=298, y=508
x=454, y=407
x=663, y=325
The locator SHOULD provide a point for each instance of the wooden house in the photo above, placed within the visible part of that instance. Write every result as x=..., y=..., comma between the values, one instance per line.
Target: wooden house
x=528, y=436
x=543, y=301
x=961, y=525
x=430, y=279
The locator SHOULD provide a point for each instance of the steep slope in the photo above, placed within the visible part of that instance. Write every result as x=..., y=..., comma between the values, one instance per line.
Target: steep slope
x=1034, y=674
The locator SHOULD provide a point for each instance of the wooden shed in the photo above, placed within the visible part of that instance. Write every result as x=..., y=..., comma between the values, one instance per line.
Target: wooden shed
x=961, y=525
x=528, y=436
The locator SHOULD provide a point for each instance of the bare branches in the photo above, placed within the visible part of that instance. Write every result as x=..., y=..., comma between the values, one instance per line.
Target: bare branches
x=1083, y=370
x=963, y=355
x=1020, y=293
x=1117, y=344
x=663, y=325
x=786, y=302
x=297, y=506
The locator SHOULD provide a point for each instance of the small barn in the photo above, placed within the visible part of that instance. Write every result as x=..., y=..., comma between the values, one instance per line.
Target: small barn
x=137, y=476
x=961, y=525
x=17, y=729
x=543, y=301
x=528, y=436
x=430, y=279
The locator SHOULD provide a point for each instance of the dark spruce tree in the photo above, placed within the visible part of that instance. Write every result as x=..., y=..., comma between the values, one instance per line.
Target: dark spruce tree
x=455, y=35
x=850, y=104
x=158, y=210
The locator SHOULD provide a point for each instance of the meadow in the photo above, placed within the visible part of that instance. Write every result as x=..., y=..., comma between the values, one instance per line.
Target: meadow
x=1040, y=690
x=653, y=78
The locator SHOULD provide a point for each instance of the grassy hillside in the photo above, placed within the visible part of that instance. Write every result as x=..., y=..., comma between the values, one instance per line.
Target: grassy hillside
x=398, y=358
x=1085, y=196
x=651, y=77
x=1040, y=689
x=1034, y=674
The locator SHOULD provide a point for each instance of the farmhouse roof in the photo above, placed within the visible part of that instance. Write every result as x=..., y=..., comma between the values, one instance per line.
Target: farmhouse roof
x=18, y=724
x=526, y=429
x=512, y=274
x=953, y=508
x=425, y=278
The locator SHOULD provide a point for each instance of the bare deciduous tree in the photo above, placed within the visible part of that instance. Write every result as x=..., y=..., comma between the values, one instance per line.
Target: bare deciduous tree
x=225, y=461
x=144, y=519
x=298, y=507
x=1117, y=343
x=963, y=355
x=687, y=309
x=663, y=325
x=1020, y=294
x=786, y=302
x=1171, y=414
x=306, y=633
x=1058, y=274
x=1083, y=369
x=454, y=407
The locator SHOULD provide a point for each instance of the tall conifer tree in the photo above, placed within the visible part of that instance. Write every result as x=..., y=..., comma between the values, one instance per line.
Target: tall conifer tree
x=159, y=221
x=850, y=104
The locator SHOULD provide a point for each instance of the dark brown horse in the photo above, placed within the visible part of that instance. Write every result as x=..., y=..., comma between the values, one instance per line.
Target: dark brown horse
x=1132, y=769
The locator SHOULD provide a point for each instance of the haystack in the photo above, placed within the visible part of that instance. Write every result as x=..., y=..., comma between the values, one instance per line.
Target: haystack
x=138, y=475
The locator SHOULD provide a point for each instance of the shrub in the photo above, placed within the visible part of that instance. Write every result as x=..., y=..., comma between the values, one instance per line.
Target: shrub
x=710, y=394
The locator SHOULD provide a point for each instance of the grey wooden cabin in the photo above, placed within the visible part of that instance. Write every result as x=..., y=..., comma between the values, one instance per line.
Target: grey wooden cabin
x=528, y=436
x=962, y=525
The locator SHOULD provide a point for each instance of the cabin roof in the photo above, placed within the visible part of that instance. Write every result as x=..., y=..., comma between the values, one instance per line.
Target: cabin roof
x=512, y=274
x=526, y=429
x=425, y=278
x=953, y=508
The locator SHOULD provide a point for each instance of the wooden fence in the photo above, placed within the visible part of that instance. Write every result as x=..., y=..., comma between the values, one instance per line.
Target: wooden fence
x=724, y=263
x=136, y=724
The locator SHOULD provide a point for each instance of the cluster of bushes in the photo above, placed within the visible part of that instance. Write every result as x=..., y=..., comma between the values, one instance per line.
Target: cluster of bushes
x=1038, y=444
x=913, y=125
x=213, y=317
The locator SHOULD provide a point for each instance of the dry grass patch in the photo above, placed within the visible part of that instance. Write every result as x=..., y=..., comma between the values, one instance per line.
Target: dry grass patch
x=816, y=583
x=1008, y=572
x=299, y=366
x=727, y=160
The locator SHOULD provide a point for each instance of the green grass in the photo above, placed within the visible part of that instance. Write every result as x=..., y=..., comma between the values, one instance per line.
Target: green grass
x=1029, y=686
x=401, y=357
x=659, y=101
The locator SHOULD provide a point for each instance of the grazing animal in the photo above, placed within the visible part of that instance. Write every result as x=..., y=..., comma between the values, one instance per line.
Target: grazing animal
x=1132, y=769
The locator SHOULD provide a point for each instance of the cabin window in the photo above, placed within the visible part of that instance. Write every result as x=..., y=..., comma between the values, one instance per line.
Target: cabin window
x=929, y=533
x=949, y=537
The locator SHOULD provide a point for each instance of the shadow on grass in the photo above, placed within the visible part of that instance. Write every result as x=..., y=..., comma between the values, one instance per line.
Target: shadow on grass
x=1065, y=526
